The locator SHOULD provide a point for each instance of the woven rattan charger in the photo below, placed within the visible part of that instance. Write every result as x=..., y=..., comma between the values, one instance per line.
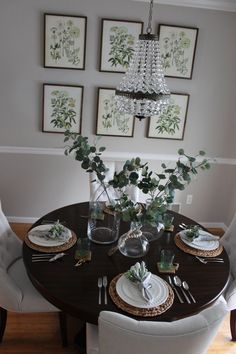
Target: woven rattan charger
x=143, y=312
x=60, y=248
x=196, y=252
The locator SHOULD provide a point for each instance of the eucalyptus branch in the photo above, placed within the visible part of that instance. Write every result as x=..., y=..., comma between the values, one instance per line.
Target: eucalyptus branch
x=137, y=174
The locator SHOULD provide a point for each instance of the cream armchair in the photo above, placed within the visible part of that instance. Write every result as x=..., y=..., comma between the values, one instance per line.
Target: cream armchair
x=119, y=334
x=229, y=243
x=17, y=294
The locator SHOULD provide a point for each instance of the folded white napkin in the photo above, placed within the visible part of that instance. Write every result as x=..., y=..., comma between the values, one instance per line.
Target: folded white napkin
x=139, y=275
x=203, y=237
x=143, y=287
x=45, y=234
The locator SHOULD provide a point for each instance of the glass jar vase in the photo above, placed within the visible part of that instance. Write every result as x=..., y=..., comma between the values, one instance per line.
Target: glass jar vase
x=103, y=224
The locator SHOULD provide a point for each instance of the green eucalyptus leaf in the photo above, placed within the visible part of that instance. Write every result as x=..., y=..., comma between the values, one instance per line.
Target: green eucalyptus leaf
x=181, y=151
x=202, y=153
x=92, y=149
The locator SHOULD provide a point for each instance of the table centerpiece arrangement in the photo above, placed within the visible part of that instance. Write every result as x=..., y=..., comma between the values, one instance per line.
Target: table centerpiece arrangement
x=158, y=186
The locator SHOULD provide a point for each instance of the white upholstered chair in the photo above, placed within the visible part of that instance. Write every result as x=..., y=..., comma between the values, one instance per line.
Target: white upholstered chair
x=229, y=243
x=17, y=294
x=119, y=334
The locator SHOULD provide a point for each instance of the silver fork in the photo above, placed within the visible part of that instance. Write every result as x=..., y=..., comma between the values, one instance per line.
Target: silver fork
x=210, y=260
x=104, y=283
x=47, y=257
x=99, y=289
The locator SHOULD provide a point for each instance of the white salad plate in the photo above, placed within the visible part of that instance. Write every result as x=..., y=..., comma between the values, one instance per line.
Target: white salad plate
x=35, y=235
x=130, y=293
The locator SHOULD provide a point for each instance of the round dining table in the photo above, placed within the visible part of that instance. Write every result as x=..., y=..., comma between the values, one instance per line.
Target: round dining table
x=75, y=291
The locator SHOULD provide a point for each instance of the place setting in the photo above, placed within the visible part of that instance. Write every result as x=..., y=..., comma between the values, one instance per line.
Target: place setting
x=140, y=292
x=198, y=242
x=50, y=237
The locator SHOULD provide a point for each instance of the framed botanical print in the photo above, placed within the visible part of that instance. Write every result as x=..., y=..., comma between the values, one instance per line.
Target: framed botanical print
x=118, y=39
x=178, y=46
x=62, y=108
x=109, y=121
x=170, y=124
x=64, y=41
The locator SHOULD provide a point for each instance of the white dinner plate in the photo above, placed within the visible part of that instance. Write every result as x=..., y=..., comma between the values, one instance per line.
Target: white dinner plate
x=40, y=241
x=200, y=245
x=130, y=293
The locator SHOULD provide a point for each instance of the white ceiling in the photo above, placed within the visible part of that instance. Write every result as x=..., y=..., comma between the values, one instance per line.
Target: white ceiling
x=221, y=5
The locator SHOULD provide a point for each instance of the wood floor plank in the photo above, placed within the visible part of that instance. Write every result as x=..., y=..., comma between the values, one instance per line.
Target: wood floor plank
x=39, y=333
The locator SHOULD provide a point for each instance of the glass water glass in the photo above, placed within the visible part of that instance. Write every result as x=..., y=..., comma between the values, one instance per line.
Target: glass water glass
x=167, y=258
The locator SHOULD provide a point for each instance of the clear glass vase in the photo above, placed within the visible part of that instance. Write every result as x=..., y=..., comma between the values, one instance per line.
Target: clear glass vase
x=103, y=224
x=152, y=233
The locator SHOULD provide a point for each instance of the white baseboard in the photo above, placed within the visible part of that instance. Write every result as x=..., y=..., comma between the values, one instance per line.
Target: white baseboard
x=21, y=220
x=220, y=225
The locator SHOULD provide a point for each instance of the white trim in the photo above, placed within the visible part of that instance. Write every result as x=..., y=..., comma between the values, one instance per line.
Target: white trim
x=219, y=225
x=22, y=219
x=31, y=150
x=108, y=155
x=220, y=5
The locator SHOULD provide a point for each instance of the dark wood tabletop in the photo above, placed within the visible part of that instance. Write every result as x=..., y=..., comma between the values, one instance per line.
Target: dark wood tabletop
x=75, y=291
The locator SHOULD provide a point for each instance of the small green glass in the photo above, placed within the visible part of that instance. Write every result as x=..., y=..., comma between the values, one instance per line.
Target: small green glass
x=167, y=258
x=83, y=248
x=168, y=220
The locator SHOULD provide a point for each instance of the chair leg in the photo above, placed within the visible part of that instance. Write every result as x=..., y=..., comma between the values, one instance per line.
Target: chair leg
x=63, y=328
x=3, y=322
x=233, y=324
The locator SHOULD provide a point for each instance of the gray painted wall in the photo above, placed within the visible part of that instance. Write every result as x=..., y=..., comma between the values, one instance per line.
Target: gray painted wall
x=31, y=185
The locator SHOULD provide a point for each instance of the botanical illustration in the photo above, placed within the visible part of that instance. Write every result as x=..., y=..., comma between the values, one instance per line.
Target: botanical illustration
x=177, y=47
x=62, y=108
x=121, y=46
x=109, y=120
x=118, y=42
x=170, y=123
x=174, y=51
x=169, y=120
x=64, y=42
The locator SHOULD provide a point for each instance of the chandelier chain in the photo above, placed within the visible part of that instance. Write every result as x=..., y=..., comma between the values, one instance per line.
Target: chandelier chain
x=149, y=28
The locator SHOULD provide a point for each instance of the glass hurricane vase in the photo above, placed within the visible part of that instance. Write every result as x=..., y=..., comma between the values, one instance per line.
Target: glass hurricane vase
x=103, y=224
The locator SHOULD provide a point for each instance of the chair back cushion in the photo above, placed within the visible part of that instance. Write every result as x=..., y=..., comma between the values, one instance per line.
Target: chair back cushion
x=229, y=243
x=10, y=244
x=10, y=250
x=120, y=334
x=96, y=189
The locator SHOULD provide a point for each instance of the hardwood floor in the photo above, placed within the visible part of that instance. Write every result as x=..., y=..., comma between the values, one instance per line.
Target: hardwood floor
x=39, y=333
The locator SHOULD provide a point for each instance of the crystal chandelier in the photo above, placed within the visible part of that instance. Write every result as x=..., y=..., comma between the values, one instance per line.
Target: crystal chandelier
x=143, y=91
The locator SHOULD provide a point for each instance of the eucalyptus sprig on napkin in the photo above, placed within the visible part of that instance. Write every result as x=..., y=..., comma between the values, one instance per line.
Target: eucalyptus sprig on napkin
x=53, y=232
x=192, y=232
x=56, y=230
x=139, y=275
